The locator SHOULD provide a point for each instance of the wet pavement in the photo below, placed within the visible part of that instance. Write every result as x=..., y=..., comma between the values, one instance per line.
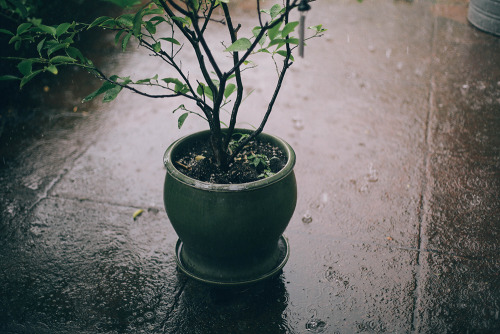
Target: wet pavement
x=395, y=120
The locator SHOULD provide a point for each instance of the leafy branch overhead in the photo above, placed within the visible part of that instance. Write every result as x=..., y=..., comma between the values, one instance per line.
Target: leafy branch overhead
x=167, y=28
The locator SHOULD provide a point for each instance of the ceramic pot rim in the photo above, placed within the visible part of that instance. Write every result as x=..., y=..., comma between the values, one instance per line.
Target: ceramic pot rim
x=284, y=172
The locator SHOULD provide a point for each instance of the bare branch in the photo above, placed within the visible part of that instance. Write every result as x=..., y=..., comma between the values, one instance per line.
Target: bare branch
x=193, y=40
x=286, y=65
x=259, y=13
x=239, y=83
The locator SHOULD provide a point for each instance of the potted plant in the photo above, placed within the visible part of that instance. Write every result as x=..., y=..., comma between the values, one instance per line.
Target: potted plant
x=229, y=193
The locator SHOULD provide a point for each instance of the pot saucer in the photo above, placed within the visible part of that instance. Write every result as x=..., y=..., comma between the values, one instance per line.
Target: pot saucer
x=284, y=254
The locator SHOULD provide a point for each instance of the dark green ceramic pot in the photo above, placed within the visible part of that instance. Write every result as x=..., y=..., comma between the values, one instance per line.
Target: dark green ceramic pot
x=230, y=234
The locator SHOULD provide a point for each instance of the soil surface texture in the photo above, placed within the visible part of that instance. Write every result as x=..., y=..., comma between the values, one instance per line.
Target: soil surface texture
x=256, y=161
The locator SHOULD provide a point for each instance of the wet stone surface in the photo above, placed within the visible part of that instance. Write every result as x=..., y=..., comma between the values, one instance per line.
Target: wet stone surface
x=394, y=119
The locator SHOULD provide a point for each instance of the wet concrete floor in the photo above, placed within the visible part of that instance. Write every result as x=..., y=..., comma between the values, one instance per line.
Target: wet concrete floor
x=395, y=119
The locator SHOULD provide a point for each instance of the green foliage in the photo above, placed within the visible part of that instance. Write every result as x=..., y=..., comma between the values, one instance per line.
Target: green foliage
x=109, y=89
x=234, y=143
x=125, y=3
x=16, y=7
x=165, y=28
x=204, y=90
x=241, y=44
x=181, y=119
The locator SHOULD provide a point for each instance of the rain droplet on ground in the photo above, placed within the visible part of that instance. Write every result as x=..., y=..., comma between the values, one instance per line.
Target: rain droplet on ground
x=372, y=174
x=298, y=124
x=316, y=326
x=388, y=53
x=307, y=218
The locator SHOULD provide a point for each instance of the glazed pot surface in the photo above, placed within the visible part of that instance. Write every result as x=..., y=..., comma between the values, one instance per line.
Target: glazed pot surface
x=230, y=233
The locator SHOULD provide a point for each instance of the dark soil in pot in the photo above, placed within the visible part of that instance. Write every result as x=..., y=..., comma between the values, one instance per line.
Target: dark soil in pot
x=257, y=160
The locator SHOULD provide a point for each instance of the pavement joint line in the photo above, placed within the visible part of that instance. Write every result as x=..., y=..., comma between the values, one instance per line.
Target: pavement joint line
x=436, y=251
x=423, y=205
x=174, y=303
x=45, y=193
x=122, y=205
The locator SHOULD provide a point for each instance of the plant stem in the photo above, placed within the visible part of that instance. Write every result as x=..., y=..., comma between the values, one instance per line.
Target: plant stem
x=239, y=83
x=286, y=65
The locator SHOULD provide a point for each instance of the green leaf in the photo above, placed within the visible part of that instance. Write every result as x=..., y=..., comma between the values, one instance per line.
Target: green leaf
x=205, y=90
x=112, y=93
x=148, y=80
x=157, y=47
x=274, y=32
x=7, y=32
x=277, y=41
x=20, y=7
x=181, y=107
x=125, y=40
x=179, y=86
x=118, y=35
x=288, y=28
x=183, y=89
x=27, y=78
x=62, y=28
x=68, y=40
x=256, y=30
x=52, y=69
x=56, y=48
x=230, y=88
x=126, y=80
x=150, y=27
x=292, y=41
x=275, y=10
x=16, y=39
x=267, y=11
x=99, y=21
x=194, y=4
x=75, y=53
x=172, y=80
x=186, y=21
x=126, y=20
x=137, y=22
x=23, y=27
x=241, y=44
x=104, y=88
x=40, y=46
x=181, y=119
x=319, y=28
x=153, y=11
x=62, y=59
x=47, y=29
x=171, y=40
x=36, y=22
x=284, y=54
x=8, y=77
x=157, y=20
x=25, y=67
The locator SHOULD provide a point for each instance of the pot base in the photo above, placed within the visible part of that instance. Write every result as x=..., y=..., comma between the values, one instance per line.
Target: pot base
x=284, y=254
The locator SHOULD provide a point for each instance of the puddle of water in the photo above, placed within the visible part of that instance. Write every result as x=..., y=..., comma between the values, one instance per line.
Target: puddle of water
x=316, y=326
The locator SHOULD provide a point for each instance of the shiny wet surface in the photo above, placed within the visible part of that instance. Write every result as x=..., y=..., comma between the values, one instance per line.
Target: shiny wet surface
x=395, y=120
